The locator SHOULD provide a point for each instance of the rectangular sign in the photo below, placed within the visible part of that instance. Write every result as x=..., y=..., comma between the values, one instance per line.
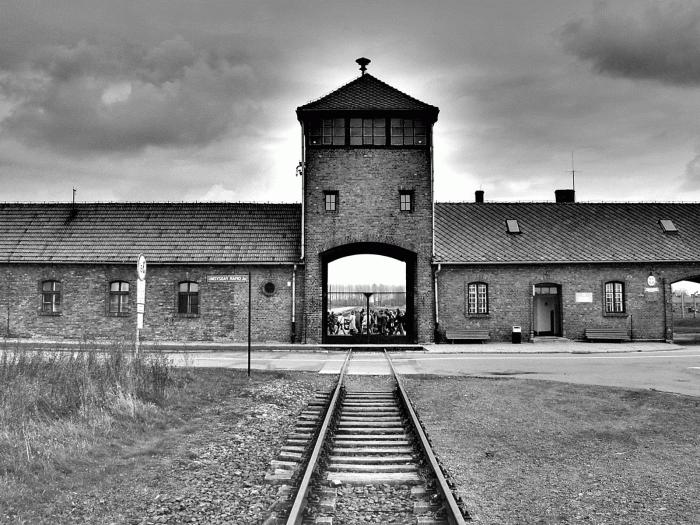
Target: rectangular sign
x=140, y=291
x=584, y=297
x=227, y=278
x=654, y=289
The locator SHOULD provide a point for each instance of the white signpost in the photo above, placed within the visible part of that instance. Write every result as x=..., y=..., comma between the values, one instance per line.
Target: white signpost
x=140, y=297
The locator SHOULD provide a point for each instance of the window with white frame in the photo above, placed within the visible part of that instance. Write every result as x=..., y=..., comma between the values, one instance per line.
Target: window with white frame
x=614, y=297
x=478, y=302
x=51, y=297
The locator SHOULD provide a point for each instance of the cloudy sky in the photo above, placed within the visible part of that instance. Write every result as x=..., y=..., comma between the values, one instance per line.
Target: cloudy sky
x=194, y=99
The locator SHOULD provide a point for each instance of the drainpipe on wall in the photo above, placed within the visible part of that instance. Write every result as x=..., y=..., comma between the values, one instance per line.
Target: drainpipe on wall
x=303, y=185
x=437, y=307
x=666, y=338
x=294, y=303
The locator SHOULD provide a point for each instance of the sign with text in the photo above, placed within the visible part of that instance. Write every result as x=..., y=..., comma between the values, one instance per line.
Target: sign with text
x=584, y=297
x=227, y=278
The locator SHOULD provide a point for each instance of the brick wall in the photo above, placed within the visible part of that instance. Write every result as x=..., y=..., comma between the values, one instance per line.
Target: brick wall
x=223, y=309
x=368, y=181
x=648, y=313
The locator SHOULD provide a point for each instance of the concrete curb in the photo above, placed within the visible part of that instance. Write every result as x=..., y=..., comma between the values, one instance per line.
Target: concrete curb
x=484, y=348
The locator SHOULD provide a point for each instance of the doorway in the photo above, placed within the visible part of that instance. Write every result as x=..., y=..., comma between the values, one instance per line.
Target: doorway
x=547, y=310
x=685, y=298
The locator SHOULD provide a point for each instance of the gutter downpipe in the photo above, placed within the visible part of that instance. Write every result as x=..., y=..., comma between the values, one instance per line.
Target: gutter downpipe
x=303, y=185
x=666, y=334
x=294, y=303
x=437, y=307
x=303, y=234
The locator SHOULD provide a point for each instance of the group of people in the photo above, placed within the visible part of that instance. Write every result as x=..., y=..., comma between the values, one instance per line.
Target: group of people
x=380, y=322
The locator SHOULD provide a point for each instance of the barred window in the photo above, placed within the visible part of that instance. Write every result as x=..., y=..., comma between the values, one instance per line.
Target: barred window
x=614, y=297
x=51, y=297
x=478, y=298
x=188, y=298
x=328, y=132
x=118, y=297
x=367, y=131
x=408, y=132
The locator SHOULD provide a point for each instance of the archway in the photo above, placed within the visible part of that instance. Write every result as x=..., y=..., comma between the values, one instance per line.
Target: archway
x=368, y=294
x=685, y=300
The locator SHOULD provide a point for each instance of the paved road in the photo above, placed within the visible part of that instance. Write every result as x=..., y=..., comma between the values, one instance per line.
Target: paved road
x=671, y=371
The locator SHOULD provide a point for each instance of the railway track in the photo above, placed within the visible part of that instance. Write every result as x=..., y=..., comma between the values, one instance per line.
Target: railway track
x=369, y=460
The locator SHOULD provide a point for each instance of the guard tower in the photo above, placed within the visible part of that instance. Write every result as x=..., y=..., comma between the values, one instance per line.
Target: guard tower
x=368, y=188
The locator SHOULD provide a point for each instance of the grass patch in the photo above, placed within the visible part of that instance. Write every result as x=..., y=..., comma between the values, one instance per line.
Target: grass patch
x=55, y=406
x=530, y=451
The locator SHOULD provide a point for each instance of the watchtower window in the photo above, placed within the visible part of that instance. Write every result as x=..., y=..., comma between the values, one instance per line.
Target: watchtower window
x=408, y=132
x=330, y=200
x=367, y=131
x=327, y=132
x=406, y=200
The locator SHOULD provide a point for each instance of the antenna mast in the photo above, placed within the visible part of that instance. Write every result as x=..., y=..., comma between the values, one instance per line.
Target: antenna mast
x=573, y=173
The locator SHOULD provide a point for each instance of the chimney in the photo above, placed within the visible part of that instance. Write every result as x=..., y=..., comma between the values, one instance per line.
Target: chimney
x=479, y=196
x=565, y=195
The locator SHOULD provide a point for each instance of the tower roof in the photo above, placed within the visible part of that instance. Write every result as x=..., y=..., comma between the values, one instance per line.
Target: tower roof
x=367, y=93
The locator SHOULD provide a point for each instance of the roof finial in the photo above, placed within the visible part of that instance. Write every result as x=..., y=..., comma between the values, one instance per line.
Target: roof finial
x=363, y=63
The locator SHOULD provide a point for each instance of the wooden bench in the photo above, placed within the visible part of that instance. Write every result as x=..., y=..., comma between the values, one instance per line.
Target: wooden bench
x=607, y=334
x=464, y=334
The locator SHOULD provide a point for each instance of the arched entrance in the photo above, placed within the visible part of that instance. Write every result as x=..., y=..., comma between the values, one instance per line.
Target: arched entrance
x=547, y=309
x=685, y=302
x=368, y=277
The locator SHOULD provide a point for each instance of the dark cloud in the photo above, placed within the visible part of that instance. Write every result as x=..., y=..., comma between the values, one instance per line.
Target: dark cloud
x=105, y=96
x=661, y=42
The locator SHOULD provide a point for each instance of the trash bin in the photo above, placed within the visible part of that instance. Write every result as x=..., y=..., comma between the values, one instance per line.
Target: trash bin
x=517, y=335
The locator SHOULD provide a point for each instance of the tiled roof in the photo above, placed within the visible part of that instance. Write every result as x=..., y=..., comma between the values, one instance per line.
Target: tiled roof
x=367, y=93
x=566, y=232
x=195, y=233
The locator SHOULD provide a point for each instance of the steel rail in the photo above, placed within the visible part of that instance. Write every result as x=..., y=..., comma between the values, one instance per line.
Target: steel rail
x=454, y=514
x=296, y=515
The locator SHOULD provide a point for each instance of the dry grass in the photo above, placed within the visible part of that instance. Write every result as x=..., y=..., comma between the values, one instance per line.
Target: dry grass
x=55, y=406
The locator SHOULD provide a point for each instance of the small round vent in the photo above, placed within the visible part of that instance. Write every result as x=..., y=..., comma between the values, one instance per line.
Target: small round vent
x=269, y=288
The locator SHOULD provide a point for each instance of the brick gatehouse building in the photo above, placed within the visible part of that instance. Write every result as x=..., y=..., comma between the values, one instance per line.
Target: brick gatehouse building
x=554, y=268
